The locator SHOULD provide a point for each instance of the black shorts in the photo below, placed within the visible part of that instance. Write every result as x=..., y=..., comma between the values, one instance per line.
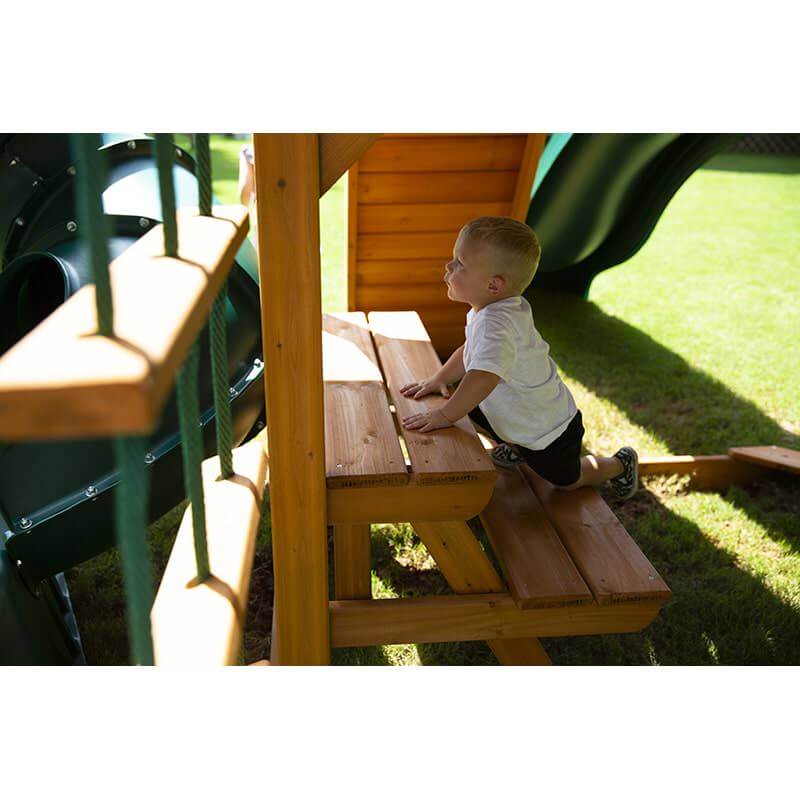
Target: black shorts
x=559, y=462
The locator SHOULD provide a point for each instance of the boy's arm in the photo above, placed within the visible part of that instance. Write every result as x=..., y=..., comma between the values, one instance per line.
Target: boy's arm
x=452, y=371
x=476, y=386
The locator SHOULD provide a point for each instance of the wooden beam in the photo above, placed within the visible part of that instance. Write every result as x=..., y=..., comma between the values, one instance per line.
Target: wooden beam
x=202, y=624
x=62, y=381
x=287, y=186
x=338, y=152
x=352, y=555
x=771, y=456
x=534, y=146
x=471, y=617
x=352, y=236
x=706, y=473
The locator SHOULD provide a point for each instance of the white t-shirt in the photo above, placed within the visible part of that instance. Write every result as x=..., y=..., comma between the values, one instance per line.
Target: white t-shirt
x=530, y=406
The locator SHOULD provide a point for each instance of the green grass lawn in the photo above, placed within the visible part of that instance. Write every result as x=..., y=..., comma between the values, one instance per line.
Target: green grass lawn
x=689, y=347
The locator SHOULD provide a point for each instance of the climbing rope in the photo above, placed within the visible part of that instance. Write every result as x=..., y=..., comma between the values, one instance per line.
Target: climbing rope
x=202, y=151
x=165, y=157
x=92, y=223
x=130, y=522
x=192, y=452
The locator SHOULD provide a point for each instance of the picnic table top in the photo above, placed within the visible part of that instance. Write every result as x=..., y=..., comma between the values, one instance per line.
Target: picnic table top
x=366, y=361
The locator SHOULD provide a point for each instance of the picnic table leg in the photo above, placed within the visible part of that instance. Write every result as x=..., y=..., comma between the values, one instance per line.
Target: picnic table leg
x=352, y=562
x=467, y=570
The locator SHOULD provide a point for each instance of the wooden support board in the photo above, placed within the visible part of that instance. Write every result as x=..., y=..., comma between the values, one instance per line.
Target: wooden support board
x=449, y=455
x=706, y=473
x=471, y=617
x=202, y=624
x=771, y=456
x=337, y=152
x=62, y=381
x=361, y=444
x=287, y=186
x=611, y=563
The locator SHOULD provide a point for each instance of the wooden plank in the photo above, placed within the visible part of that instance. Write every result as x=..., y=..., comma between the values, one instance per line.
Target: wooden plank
x=446, y=153
x=399, y=298
x=467, y=570
x=611, y=563
x=338, y=152
x=62, y=381
x=772, y=456
x=425, y=217
x=399, y=272
x=352, y=554
x=538, y=569
x=287, y=187
x=352, y=236
x=706, y=473
x=435, y=501
x=202, y=624
x=387, y=246
x=436, y=187
x=448, y=455
x=471, y=617
x=534, y=145
x=361, y=444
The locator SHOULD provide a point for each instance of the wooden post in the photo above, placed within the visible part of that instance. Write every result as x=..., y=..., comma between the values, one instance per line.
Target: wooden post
x=534, y=145
x=352, y=235
x=287, y=192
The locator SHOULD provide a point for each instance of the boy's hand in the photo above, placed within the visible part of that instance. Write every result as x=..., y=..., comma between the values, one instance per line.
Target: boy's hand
x=422, y=388
x=427, y=421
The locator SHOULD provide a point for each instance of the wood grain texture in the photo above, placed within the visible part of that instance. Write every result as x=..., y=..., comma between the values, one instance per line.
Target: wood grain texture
x=337, y=152
x=352, y=236
x=706, y=473
x=448, y=455
x=471, y=617
x=287, y=186
x=352, y=555
x=62, y=381
x=534, y=145
x=425, y=217
x=772, y=456
x=538, y=569
x=400, y=298
x=202, y=624
x=436, y=187
x=361, y=444
x=394, y=273
x=388, y=246
x=445, y=153
x=611, y=563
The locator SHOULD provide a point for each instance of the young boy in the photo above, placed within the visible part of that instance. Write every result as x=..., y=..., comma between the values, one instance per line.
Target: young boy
x=509, y=383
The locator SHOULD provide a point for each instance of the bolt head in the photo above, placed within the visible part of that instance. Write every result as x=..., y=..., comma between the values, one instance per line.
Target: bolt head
x=71, y=171
x=72, y=226
x=143, y=222
x=232, y=392
x=131, y=145
x=13, y=162
x=91, y=491
x=149, y=458
x=25, y=522
x=19, y=221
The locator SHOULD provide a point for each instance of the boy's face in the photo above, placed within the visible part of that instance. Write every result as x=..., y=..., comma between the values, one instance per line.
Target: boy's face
x=469, y=275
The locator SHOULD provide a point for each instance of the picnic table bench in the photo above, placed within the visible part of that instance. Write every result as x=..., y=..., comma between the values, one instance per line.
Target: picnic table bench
x=568, y=566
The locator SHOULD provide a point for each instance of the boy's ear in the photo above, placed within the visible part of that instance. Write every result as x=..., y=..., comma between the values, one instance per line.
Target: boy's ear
x=497, y=284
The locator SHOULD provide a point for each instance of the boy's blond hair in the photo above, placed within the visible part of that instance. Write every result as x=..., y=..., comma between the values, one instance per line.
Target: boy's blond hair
x=515, y=242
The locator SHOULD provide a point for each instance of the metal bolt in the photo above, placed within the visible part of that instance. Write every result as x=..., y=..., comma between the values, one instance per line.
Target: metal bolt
x=13, y=162
x=71, y=171
x=258, y=363
x=25, y=523
x=131, y=145
x=91, y=491
x=232, y=392
x=19, y=221
x=652, y=577
x=149, y=458
x=144, y=222
x=259, y=425
x=72, y=226
x=178, y=152
x=35, y=184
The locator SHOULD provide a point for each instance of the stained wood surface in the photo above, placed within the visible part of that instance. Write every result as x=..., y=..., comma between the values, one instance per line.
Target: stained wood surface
x=445, y=153
x=772, y=456
x=202, y=624
x=708, y=473
x=406, y=354
x=534, y=145
x=63, y=381
x=470, y=617
x=535, y=563
x=436, y=187
x=287, y=173
x=391, y=275
x=611, y=563
x=337, y=152
x=361, y=444
x=383, y=246
x=425, y=217
x=352, y=561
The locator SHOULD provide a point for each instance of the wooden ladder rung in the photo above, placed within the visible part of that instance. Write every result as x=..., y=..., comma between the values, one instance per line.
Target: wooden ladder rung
x=62, y=381
x=202, y=624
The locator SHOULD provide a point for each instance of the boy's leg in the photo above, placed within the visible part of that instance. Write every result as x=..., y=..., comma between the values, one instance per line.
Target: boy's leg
x=596, y=471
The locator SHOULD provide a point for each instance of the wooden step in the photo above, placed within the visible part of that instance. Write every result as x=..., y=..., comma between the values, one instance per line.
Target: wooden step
x=772, y=456
x=611, y=563
x=535, y=563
